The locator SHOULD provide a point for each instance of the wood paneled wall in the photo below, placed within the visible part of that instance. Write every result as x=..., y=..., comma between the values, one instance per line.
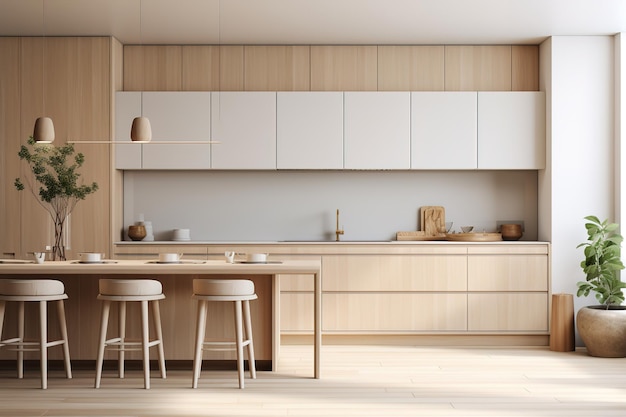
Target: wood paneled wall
x=331, y=68
x=68, y=79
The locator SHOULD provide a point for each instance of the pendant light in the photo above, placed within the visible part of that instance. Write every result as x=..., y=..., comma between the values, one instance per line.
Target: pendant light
x=141, y=131
x=43, y=131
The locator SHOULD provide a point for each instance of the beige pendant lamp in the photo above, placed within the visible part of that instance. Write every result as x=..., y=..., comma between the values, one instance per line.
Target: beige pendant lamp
x=141, y=131
x=43, y=131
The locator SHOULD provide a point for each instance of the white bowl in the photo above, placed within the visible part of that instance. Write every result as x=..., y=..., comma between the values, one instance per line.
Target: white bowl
x=169, y=257
x=256, y=257
x=90, y=257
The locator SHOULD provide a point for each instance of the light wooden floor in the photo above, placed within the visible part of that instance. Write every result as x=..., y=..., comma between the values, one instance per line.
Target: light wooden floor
x=356, y=381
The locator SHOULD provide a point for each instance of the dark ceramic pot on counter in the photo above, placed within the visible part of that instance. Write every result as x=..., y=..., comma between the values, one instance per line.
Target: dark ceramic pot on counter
x=511, y=231
x=137, y=232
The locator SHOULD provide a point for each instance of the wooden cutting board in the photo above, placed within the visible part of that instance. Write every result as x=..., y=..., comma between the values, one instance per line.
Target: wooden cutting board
x=433, y=220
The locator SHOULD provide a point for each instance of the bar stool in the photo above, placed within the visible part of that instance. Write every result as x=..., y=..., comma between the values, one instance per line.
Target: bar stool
x=123, y=291
x=240, y=292
x=41, y=291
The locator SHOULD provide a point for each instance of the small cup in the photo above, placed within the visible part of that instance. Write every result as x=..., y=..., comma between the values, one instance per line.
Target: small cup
x=90, y=257
x=40, y=257
x=170, y=257
x=230, y=256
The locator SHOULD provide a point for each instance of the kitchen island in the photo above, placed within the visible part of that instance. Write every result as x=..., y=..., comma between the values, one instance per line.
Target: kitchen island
x=81, y=280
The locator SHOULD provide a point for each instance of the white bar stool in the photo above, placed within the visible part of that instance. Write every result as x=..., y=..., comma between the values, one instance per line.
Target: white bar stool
x=122, y=291
x=240, y=292
x=41, y=291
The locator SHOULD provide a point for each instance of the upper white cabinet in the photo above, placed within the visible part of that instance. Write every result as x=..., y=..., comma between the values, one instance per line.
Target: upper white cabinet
x=245, y=124
x=377, y=130
x=127, y=107
x=174, y=116
x=309, y=130
x=443, y=130
x=511, y=130
x=178, y=116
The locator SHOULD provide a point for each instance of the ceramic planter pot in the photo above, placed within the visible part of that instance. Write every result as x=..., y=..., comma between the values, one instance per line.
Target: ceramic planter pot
x=603, y=331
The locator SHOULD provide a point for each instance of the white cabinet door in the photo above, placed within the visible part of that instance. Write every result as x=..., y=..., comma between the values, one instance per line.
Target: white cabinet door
x=377, y=130
x=245, y=124
x=178, y=116
x=443, y=130
x=127, y=107
x=309, y=130
x=511, y=130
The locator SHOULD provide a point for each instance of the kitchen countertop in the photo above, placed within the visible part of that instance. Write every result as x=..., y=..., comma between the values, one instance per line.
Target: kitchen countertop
x=326, y=242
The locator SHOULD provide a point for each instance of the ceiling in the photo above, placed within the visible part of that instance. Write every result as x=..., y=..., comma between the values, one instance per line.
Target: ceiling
x=314, y=21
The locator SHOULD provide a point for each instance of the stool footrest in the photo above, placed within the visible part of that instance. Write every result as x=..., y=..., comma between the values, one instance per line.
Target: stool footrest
x=17, y=346
x=118, y=345
x=223, y=345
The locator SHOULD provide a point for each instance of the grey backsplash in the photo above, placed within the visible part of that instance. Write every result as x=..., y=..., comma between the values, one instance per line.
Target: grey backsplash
x=301, y=205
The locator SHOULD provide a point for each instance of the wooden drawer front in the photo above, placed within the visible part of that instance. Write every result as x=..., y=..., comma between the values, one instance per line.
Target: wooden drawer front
x=394, y=312
x=296, y=312
x=395, y=273
x=508, y=312
x=507, y=273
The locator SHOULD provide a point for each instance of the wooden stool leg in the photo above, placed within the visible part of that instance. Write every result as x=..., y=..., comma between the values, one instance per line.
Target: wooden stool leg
x=239, y=342
x=145, y=340
x=104, y=320
x=66, y=344
x=43, y=342
x=248, y=328
x=121, y=325
x=156, y=318
x=200, y=329
x=20, y=337
x=2, y=308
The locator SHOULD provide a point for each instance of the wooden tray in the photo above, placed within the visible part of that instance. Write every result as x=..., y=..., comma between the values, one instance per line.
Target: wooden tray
x=474, y=237
x=419, y=235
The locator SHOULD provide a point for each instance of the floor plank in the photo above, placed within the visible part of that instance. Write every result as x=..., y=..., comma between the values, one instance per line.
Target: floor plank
x=356, y=381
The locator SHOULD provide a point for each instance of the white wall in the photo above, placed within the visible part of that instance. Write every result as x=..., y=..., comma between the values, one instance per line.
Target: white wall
x=580, y=100
x=296, y=205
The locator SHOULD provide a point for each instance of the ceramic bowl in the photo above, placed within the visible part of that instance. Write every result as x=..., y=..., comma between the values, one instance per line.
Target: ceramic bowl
x=467, y=229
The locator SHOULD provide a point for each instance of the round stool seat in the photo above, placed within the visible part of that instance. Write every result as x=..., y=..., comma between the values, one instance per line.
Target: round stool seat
x=130, y=287
x=31, y=287
x=224, y=288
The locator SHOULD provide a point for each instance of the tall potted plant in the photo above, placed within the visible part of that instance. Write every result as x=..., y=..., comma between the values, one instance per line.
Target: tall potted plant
x=602, y=327
x=54, y=178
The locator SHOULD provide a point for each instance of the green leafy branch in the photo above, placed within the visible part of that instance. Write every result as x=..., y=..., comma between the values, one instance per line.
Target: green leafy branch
x=55, y=180
x=602, y=262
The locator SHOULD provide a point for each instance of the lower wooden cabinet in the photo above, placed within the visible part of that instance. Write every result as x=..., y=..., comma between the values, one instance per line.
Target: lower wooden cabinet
x=490, y=312
x=487, y=289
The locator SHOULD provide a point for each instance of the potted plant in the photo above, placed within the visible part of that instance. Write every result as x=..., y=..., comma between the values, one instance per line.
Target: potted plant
x=602, y=327
x=55, y=180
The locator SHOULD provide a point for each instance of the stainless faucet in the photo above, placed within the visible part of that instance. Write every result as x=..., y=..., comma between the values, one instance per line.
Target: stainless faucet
x=338, y=231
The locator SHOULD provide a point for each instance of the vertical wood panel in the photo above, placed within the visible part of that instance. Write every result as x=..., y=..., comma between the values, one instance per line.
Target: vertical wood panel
x=152, y=67
x=276, y=68
x=34, y=231
x=525, y=67
x=344, y=68
x=10, y=140
x=478, y=68
x=231, y=68
x=413, y=68
x=117, y=176
x=200, y=68
x=89, y=119
x=76, y=93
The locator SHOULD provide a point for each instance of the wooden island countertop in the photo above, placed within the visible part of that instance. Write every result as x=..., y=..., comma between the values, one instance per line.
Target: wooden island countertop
x=186, y=269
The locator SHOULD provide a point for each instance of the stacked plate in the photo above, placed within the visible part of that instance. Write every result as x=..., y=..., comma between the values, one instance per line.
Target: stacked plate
x=181, y=235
